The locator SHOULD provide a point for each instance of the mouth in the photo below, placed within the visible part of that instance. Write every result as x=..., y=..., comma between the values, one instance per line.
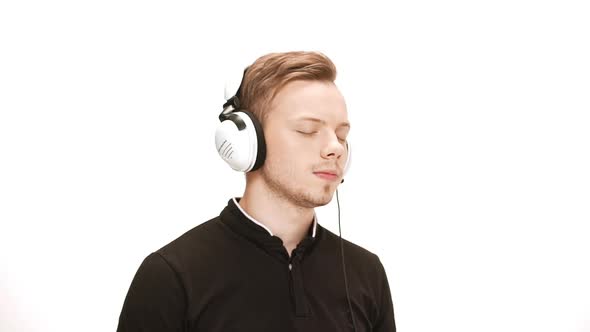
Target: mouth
x=330, y=176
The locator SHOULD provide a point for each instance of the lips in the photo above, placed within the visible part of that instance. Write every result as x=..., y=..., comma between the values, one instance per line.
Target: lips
x=327, y=174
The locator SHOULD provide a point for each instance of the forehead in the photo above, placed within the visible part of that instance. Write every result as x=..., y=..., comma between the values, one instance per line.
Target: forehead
x=309, y=99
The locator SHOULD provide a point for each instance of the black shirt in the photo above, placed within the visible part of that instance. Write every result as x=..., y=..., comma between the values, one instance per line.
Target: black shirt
x=230, y=274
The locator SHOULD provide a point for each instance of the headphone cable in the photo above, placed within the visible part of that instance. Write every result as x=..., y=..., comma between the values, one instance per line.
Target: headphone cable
x=343, y=265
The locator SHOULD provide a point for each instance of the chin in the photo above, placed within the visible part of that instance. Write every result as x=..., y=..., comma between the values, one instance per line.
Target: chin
x=324, y=202
x=320, y=199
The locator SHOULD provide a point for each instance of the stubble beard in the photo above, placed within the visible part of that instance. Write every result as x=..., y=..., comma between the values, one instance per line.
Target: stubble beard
x=283, y=185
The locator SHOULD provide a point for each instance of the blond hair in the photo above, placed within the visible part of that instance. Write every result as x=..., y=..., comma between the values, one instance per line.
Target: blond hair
x=269, y=73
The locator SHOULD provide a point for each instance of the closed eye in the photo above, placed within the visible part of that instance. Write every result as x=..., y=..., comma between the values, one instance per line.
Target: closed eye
x=341, y=140
x=306, y=133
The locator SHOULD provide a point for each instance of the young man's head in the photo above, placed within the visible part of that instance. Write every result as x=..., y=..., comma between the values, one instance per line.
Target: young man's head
x=305, y=123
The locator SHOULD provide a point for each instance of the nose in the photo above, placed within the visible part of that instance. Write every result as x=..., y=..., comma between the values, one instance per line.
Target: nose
x=333, y=149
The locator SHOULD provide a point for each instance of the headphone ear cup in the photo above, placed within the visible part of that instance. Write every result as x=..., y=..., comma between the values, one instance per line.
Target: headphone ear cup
x=240, y=142
x=260, y=151
x=348, y=158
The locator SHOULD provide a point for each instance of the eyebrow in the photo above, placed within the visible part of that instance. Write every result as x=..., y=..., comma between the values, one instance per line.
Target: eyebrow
x=307, y=118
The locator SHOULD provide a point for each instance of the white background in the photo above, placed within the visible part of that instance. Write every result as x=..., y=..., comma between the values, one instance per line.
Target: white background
x=471, y=136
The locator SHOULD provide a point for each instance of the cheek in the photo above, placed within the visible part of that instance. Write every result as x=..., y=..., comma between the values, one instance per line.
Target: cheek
x=288, y=153
x=290, y=161
x=285, y=146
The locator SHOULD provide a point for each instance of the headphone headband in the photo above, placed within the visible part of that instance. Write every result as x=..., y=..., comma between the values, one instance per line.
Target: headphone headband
x=234, y=101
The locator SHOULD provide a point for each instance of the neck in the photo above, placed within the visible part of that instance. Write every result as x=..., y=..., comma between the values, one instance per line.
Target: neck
x=280, y=215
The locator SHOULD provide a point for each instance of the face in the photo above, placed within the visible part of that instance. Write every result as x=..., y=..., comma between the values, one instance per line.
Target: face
x=305, y=133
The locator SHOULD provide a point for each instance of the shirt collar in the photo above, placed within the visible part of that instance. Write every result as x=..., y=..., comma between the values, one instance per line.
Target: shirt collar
x=236, y=201
x=246, y=226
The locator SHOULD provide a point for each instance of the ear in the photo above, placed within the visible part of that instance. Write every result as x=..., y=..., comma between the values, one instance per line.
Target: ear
x=348, y=158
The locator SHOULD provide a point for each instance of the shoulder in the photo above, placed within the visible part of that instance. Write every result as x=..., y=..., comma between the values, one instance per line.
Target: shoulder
x=195, y=245
x=358, y=257
x=193, y=237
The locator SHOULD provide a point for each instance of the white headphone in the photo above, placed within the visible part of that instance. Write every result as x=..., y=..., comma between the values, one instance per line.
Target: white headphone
x=239, y=138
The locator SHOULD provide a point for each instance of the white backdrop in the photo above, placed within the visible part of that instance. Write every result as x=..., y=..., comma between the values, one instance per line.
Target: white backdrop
x=470, y=123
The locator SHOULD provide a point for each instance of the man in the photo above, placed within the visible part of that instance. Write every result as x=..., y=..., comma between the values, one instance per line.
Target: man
x=265, y=263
